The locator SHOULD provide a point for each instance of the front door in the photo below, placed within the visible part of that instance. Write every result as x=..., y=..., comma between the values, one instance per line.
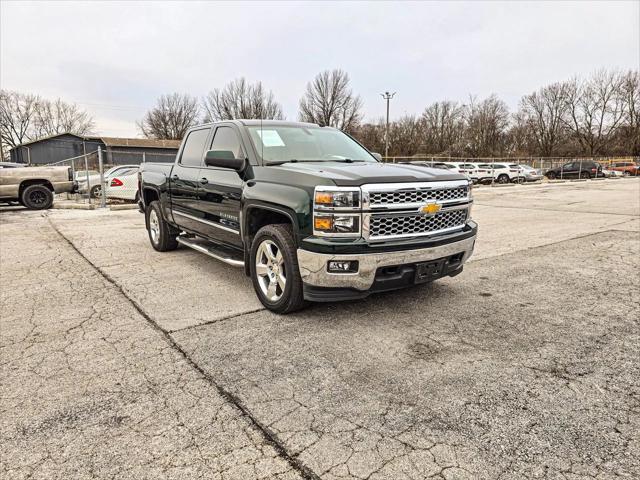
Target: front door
x=184, y=183
x=569, y=170
x=221, y=191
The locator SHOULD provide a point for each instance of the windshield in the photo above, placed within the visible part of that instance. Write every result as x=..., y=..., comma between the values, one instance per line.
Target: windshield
x=278, y=144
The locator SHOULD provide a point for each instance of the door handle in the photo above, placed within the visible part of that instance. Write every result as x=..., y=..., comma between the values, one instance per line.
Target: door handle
x=204, y=181
x=175, y=177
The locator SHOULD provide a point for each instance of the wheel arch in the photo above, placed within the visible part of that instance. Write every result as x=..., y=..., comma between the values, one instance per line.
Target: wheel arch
x=34, y=181
x=257, y=215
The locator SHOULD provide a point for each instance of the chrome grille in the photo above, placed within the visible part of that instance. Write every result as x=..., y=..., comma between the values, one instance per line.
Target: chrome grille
x=417, y=195
x=386, y=226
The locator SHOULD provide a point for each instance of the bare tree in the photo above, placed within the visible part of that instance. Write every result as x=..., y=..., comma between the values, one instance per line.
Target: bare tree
x=239, y=99
x=172, y=116
x=17, y=113
x=371, y=135
x=629, y=131
x=405, y=136
x=485, y=126
x=443, y=126
x=54, y=117
x=329, y=101
x=595, y=110
x=543, y=113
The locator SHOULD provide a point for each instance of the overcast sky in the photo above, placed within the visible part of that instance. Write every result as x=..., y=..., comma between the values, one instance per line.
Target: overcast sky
x=115, y=59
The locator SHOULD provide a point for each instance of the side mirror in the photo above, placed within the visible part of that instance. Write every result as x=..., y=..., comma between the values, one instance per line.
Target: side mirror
x=223, y=159
x=377, y=156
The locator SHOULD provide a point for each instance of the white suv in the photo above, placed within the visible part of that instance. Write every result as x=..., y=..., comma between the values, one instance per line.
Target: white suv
x=475, y=172
x=503, y=172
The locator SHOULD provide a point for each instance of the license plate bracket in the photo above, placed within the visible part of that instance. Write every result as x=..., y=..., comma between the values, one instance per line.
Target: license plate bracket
x=428, y=271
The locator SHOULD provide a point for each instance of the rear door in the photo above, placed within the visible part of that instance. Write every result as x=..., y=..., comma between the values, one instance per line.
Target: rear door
x=221, y=190
x=184, y=181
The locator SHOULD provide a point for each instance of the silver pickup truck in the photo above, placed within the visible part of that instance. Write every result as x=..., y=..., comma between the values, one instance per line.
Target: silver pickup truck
x=34, y=187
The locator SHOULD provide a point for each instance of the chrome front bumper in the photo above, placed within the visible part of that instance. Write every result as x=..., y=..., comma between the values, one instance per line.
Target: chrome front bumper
x=313, y=266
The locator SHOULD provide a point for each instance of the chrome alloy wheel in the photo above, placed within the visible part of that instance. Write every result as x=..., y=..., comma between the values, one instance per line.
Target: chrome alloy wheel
x=154, y=227
x=270, y=270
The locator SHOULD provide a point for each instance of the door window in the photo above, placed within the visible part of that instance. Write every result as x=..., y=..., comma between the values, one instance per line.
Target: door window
x=226, y=140
x=194, y=148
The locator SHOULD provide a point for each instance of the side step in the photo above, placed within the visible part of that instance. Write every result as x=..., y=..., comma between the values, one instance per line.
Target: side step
x=219, y=252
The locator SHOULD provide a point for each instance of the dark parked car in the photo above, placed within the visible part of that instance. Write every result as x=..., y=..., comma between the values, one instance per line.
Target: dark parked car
x=307, y=211
x=577, y=169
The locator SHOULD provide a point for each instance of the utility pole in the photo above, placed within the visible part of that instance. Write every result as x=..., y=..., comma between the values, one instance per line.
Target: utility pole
x=387, y=96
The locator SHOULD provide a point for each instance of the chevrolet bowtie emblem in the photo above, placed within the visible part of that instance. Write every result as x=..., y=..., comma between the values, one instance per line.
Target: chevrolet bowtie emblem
x=430, y=208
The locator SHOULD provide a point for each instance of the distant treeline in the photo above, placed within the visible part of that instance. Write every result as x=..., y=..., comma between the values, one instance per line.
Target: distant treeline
x=593, y=116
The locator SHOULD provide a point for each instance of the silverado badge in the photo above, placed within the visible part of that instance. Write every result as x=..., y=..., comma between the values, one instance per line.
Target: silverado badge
x=430, y=208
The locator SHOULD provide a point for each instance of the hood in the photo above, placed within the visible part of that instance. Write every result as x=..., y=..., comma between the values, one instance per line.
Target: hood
x=359, y=173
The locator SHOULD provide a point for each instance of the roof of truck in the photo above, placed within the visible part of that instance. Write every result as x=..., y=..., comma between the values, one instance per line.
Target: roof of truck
x=264, y=123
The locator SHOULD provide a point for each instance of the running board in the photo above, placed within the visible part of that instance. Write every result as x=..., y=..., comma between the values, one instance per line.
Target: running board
x=219, y=252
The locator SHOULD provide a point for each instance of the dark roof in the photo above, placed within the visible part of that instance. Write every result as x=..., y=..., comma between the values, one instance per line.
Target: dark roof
x=115, y=142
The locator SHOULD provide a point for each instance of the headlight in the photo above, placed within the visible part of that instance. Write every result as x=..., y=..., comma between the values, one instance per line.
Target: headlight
x=336, y=198
x=336, y=211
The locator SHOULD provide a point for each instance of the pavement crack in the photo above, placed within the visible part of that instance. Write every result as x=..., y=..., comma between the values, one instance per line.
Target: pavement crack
x=217, y=320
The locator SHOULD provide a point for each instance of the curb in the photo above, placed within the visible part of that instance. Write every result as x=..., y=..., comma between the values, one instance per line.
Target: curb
x=73, y=206
x=124, y=206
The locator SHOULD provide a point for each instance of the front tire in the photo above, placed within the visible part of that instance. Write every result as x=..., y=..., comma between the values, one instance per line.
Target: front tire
x=274, y=269
x=504, y=178
x=37, y=197
x=551, y=175
x=160, y=232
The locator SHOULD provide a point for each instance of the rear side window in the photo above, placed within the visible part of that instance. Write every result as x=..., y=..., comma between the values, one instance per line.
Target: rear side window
x=194, y=148
x=226, y=140
x=499, y=166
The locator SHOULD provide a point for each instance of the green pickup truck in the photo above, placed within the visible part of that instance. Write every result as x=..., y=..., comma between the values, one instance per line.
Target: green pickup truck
x=308, y=212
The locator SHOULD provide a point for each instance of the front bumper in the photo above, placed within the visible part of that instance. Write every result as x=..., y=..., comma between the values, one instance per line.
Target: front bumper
x=315, y=275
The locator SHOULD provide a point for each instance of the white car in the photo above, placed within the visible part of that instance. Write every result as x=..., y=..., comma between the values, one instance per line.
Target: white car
x=477, y=173
x=531, y=174
x=612, y=173
x=94, y=179
x=124, y=184
x=503, y=172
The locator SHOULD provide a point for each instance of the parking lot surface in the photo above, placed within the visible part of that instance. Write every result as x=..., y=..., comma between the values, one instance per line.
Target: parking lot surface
x=122, y=362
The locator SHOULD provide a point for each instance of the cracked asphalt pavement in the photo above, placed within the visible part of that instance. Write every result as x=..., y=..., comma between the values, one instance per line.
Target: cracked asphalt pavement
x=121, y=362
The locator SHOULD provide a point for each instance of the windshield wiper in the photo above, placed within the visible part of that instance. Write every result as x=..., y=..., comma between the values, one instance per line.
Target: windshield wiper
x=294, y=160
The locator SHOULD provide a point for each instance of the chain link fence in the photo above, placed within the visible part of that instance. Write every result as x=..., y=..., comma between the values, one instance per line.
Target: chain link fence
x=525, y=169
x=113, y=172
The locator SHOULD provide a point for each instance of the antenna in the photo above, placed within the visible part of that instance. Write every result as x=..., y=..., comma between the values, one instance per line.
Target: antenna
x=261, y=139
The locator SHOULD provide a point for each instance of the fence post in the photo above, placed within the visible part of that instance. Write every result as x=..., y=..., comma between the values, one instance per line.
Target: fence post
x=103, y=187
x=493, y=170
x=86, y=171
x=580, y=171
x=144, y=157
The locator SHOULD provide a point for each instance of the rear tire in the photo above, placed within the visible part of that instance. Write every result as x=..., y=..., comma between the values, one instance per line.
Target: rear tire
x=504, y=178
x=37, y=197
x=273, y=259
x=586, y=175
x=161, y=234
x=96, y=191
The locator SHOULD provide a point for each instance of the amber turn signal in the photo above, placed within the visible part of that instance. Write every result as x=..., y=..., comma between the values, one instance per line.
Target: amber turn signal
x=322, y=223
x=324, y=198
